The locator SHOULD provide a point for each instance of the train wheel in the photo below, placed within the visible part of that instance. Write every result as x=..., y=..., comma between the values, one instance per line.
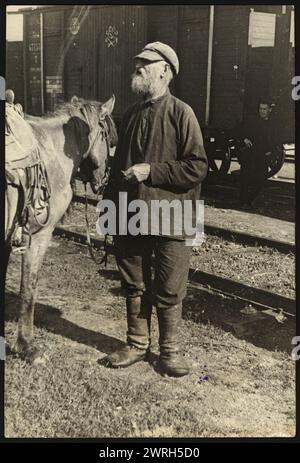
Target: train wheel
x=225, y=163
x=276, y=161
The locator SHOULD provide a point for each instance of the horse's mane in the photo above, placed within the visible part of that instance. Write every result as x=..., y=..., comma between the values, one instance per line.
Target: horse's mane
x=64, y=109
x=112, y=130
x=61, y=110
x=68, y=108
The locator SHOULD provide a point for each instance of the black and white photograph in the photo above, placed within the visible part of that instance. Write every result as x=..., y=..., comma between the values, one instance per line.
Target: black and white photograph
x=149, y=252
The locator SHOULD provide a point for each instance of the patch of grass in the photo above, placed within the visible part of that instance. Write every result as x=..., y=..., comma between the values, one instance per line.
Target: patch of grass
x=250, y=390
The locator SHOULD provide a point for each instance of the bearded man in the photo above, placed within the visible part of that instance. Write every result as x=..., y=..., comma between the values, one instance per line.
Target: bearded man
x=159, y=156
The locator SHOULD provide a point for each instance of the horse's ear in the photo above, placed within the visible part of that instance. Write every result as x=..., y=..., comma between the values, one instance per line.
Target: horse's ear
x=107, y=107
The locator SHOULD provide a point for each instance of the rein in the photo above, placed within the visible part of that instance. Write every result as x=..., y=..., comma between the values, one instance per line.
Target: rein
x=105, y=133
x=88, y=236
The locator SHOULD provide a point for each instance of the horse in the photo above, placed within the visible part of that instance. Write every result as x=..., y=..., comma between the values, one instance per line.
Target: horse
x=76, y=136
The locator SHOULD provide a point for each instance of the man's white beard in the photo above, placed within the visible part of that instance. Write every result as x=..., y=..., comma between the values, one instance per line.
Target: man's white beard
x=143, y=85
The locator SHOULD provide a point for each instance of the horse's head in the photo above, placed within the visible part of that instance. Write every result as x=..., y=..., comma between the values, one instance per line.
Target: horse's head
x=102, y=136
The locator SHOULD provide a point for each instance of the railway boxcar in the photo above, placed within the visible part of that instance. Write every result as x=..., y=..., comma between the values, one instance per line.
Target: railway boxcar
x=230, y=57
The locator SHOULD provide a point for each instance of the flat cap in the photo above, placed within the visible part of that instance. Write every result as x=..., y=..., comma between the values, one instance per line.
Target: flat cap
x=158, y=51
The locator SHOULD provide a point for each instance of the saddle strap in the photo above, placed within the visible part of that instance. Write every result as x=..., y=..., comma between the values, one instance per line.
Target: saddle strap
x=22, y=148
x=36, y=191
x=28, y=161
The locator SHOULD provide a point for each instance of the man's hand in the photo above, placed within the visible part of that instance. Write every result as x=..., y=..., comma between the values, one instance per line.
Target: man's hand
x=137, y=173
x=248, y=142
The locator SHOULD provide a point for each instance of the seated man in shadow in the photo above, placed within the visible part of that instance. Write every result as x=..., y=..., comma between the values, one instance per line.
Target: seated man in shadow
x=260, y=138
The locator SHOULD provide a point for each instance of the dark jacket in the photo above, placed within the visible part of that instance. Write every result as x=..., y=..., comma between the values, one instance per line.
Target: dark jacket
x=164, y=133
x=262, y=133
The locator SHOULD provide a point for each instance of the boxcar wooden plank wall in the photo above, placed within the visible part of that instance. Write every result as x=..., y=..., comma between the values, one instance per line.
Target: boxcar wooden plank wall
x=193, y=54
x=99, y=61
x=33, y=85
x=90, y=48
x=121, y=34
x=53, y=29
x=72, y=68
x=14, y=70
x=284, y=61
x=270, y=71
x=258, y=78
x=87, y=56
x=229, y=65
x=162, y=26
x=111, y=35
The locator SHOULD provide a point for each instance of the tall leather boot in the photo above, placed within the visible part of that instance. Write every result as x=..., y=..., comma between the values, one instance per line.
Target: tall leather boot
x=171, y=362
x=138, y=334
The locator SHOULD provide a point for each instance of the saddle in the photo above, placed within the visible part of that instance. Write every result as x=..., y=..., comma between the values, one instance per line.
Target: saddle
x=24, y=167
x=19, y=138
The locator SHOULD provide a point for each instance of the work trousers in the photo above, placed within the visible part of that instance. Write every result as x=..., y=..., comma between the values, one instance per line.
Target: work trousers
x=254, y=172
x=171, y=267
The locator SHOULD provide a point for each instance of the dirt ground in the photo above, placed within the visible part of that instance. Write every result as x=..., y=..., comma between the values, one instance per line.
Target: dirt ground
x=257, y=266
x=240, y=385
x=276, y=200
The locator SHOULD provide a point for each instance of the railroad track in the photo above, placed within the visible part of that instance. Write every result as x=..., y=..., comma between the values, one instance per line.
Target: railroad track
x=285, y=187
x=270, y=191
x=225, y=233
x=258, y=299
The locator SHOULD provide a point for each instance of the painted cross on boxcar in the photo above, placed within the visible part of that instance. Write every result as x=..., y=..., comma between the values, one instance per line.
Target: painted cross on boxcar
x=111, y=36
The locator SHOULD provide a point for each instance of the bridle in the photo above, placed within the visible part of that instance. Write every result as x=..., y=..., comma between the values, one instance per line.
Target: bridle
x=104, y=132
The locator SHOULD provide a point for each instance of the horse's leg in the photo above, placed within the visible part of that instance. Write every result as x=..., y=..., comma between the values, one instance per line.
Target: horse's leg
x=70, y=208
x=11, y=212
x=17, y=236
x=7, y=251
x=31, y=263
